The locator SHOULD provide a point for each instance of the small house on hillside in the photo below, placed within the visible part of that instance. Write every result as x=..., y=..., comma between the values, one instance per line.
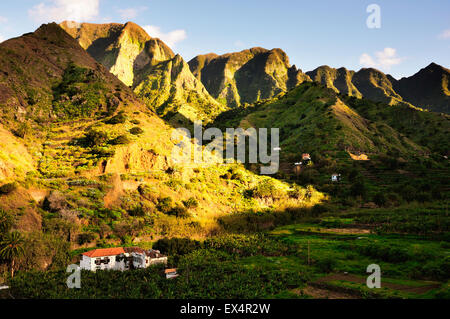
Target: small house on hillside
x=143, y=258
x=121, y=258
x=306, y=159
x=336, y=177
x=171, y=273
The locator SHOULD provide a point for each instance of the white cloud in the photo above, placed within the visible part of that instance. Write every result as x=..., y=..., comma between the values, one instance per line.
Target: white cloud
x=3, y=19
x=445, y=34
x=59, y=10
x=383, y=59
x=170, y=38
x=130, y=13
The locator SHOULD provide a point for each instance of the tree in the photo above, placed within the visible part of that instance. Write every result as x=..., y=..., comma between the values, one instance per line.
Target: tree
x=6, y=222
x=11, y=248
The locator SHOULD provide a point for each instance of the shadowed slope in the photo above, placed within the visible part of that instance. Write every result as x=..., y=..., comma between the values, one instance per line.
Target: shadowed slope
x=246, y=76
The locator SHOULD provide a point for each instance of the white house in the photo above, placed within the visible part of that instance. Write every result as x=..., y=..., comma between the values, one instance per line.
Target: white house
x=144, y=258
x=336, y=177
x=121, y=258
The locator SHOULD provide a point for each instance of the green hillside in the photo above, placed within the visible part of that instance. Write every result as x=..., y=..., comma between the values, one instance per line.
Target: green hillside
x=85, y=163
x=160, y=78
x=313, y=119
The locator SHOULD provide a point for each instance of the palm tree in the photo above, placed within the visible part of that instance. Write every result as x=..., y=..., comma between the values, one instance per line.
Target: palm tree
x=11, y=248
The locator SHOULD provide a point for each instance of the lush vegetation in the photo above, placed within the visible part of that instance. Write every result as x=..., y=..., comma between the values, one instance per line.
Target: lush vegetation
x=230, y=232
x=81, y=93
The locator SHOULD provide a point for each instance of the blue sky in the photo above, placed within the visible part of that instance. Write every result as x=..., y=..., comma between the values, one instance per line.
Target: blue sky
x=313, y=33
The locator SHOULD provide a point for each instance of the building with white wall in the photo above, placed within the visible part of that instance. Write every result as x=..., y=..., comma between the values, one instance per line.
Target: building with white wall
x=121, y=259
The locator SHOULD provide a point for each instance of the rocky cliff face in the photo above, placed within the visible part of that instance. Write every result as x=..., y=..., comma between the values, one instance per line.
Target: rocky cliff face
x=246, y=76
x=125, y=49
x=368, y=83
x=428, y=89
x=340, y=80
x=171, y=88
x=162, y=79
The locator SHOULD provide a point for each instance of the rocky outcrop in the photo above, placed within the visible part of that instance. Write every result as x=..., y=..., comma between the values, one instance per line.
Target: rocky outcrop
x=171, y=88
x=246, y=76
x=427, y=89
x=125, y=49
x=161, y=79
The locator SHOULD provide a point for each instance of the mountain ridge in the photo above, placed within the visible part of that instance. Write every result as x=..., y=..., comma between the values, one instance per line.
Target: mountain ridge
x=146, y=65
x=375, y=85
x=246, y=76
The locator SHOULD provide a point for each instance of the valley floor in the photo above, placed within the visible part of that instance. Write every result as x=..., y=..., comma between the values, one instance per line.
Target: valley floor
x=322, y=257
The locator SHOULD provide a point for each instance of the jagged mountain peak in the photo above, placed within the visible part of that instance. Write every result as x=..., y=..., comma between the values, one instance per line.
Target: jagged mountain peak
x=339, y=80
x=125, y=49
x=428, y=88
x=161, y=78
x=246, y=76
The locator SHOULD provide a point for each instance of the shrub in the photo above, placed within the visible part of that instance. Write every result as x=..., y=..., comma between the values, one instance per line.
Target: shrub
x=120, y=140
x=408, y=193
x=326, y=264
x=190, y=203
x=180, y=212
x=297, y=193
x=117, y=119
x=353, y=175
x=6, y=222
x=103, y=152
x=95, y=138
x=318, y=209
x=8, y=188
x=55, y=202
x=227, y=175
x=137, y=211
x=147, y=192
x=266, y=188
x=393, y=198
x=177, y=246
x=85, y=238
x=380, y=199
x=23, y=130
x=164, y=204
x=358, y=188
x=385, y=252
x=136, y=131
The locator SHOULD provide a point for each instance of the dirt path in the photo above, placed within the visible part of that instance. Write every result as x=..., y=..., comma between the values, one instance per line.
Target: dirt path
x=322, y=293
x=360, y=280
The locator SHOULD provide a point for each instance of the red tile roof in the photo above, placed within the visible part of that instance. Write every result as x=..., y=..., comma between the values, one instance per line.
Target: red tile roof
x=168, y=271
x=104, y=252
